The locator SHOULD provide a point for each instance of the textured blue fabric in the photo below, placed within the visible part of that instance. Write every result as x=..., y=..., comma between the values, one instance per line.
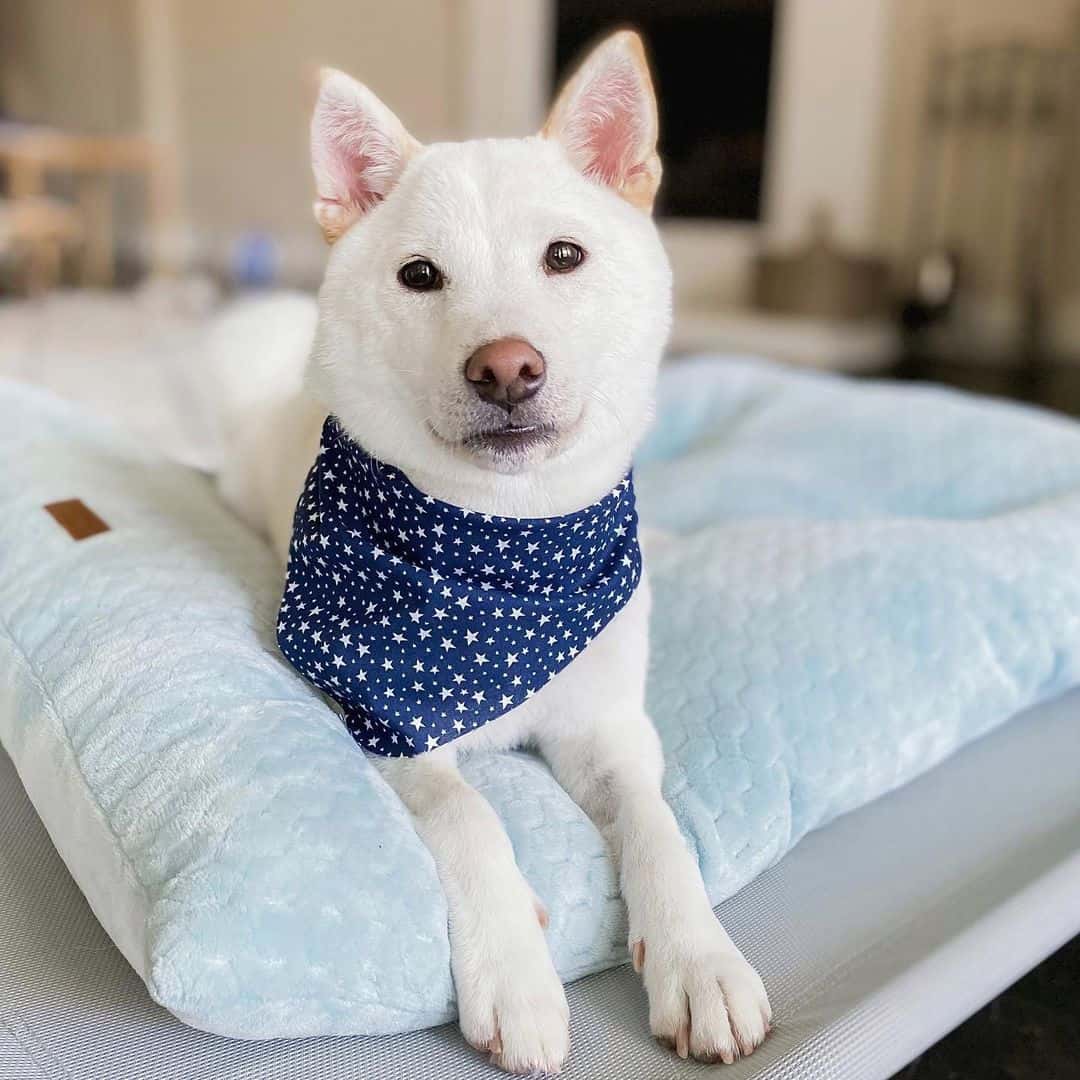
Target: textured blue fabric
x=423, y=620
x=857, y=579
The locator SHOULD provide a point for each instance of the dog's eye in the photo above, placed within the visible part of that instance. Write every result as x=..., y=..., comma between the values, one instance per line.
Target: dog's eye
x=420, y=275
x=562, y=256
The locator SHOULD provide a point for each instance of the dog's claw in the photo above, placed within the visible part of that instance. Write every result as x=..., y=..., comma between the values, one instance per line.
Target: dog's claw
x=637, y=954
x=682, y=1040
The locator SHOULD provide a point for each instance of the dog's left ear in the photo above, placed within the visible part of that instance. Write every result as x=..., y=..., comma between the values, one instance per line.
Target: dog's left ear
x=605, y=119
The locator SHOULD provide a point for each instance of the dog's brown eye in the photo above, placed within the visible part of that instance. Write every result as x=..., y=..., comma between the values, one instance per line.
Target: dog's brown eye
x=563, y=256
x=421, y=275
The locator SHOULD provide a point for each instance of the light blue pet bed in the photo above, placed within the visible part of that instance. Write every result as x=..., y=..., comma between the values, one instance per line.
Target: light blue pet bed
x=861, y=579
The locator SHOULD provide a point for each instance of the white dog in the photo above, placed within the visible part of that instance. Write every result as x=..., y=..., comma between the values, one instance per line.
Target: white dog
x=491, y=322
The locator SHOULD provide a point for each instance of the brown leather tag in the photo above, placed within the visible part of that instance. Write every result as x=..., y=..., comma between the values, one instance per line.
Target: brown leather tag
x=77, y=519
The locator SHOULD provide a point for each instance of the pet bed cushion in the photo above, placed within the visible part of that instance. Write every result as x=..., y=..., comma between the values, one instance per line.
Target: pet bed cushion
x=856, y=580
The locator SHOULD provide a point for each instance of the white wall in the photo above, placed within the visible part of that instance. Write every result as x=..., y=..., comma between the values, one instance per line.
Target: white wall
x=825, y=132
x=69, y=63
x=247, y=73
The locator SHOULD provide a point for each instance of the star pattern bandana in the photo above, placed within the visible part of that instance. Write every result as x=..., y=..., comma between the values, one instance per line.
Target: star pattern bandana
x=424, y=620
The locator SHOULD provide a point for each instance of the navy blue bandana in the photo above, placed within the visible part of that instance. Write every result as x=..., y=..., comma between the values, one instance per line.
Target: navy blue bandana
x=424, y=620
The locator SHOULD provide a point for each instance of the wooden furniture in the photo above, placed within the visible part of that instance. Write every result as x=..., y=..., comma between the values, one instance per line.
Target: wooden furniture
x=29, y=155
x=37, y=231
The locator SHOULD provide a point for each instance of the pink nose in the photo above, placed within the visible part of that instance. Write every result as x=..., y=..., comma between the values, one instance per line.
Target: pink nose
x=505, y=372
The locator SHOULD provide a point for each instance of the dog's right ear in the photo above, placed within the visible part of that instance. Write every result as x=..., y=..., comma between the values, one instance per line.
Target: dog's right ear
x=359, y=148
x=605, y=119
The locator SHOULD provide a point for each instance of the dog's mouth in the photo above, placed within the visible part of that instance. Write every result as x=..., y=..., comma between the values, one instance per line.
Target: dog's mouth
x=509, y=443
x=511, y=440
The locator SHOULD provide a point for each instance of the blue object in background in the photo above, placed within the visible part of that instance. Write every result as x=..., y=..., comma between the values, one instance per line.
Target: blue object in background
x=255, y=261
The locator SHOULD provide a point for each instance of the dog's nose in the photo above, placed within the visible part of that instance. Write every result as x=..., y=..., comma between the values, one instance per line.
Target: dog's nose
x=505, y=372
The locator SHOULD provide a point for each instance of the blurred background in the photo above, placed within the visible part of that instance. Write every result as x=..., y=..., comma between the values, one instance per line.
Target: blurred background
x=888, y=186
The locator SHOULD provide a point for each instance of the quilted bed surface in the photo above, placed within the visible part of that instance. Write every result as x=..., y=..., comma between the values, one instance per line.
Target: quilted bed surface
x=852, y=581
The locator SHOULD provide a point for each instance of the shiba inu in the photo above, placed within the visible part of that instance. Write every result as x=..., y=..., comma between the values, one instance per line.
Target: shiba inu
x=486, y=342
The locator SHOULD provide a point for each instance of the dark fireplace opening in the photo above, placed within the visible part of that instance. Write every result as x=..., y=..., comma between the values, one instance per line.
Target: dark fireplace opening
x=711, y=61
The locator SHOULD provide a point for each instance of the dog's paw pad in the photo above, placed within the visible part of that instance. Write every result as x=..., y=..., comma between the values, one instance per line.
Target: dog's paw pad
x=541, y=914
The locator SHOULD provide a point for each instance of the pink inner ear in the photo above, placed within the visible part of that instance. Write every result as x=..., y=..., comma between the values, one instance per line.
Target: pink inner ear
x=353, y=160
x=608, y=128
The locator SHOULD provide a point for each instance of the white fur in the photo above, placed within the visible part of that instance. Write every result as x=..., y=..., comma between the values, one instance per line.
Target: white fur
x=388, y=362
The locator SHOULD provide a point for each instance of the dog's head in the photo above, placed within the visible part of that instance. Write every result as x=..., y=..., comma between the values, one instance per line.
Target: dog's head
x=500, y=305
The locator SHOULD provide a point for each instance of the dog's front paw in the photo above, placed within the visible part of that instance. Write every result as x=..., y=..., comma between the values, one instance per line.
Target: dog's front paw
x=513, y=1007
x=705, y=1000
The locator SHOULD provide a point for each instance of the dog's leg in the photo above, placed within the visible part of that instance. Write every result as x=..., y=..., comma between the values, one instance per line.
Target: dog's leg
x=704, y=998
x=510, y=999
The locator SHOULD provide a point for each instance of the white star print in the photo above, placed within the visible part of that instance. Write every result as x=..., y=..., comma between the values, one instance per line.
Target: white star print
x=364, y=580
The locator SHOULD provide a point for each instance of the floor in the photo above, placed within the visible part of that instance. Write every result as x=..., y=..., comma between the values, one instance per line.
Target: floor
x=1030, y=1032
